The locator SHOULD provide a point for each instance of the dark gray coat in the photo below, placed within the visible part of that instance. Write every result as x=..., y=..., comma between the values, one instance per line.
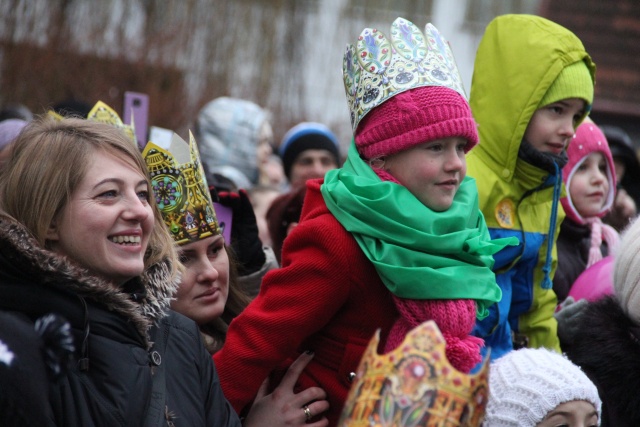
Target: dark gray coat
x=110, y=379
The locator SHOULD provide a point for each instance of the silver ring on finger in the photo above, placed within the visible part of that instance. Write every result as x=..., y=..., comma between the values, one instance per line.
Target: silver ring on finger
x=307, y=412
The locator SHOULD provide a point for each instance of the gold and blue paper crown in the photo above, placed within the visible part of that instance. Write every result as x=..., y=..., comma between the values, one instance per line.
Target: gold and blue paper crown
x=379, y=67
x=415, y=385
x=180, y=189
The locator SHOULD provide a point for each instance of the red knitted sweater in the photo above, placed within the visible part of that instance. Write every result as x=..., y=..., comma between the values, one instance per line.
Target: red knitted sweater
x=327, y=297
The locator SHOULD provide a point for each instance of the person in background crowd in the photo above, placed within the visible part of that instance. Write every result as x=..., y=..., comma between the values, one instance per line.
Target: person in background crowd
x=308, y=151
x=273, y=174
x=235, y=140
x=532, y=86
x=590, y=179
x=627, y=167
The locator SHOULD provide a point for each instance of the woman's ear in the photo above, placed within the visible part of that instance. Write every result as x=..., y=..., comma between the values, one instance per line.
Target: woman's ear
x=52, y=232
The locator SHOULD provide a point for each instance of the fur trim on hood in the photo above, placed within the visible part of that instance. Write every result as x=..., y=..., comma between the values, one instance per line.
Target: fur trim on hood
x=27, y=261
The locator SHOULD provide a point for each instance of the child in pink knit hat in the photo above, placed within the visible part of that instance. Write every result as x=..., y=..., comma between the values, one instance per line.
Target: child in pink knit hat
x=391, y=239
x=590, y=179
x=418, y=140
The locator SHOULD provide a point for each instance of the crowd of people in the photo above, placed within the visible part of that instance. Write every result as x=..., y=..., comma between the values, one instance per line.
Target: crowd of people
x=446, y=235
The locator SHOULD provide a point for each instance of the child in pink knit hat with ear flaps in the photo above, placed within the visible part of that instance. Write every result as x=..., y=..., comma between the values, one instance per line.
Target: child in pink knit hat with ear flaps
x=590, y=179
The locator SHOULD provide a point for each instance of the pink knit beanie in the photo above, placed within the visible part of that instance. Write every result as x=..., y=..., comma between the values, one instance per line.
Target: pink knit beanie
x=587, y=139
x=413, y=117
x=590, y=139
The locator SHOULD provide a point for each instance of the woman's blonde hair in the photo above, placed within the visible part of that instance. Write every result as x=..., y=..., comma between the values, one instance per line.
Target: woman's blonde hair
x=50, y=158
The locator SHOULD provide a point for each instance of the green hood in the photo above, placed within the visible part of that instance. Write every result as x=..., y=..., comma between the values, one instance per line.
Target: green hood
x=518, y=59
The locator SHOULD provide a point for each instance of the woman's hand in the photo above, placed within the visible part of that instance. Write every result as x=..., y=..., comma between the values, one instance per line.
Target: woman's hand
x=283, y=407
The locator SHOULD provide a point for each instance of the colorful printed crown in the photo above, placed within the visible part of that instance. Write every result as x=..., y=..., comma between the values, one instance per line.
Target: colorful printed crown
x=415, y=385
x=181, y=189
x=379, y=68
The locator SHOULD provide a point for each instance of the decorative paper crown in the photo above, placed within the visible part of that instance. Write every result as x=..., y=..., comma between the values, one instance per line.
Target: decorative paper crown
x=415, y=385
x=181, y=189
x=101, y=112
x=379, y=68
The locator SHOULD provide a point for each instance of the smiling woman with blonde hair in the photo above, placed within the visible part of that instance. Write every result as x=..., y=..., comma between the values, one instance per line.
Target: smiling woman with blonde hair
x=49, y=164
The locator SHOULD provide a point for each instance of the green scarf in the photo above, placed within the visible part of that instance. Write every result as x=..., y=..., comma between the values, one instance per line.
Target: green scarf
x=418, y=253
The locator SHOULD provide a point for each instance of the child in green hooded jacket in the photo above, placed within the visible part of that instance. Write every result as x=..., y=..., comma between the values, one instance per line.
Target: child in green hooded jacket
x=532, y=86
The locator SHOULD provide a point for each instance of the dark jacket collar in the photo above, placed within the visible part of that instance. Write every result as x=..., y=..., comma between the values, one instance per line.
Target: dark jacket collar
x=24, y=262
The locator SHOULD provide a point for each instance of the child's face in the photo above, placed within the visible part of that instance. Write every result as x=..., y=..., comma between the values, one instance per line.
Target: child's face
x=553, y=125
x=431, y=171
x=577, y=413
x=590, y=185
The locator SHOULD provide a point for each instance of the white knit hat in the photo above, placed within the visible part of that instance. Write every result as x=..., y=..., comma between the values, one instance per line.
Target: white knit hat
x=525, y=385
x=626, y=271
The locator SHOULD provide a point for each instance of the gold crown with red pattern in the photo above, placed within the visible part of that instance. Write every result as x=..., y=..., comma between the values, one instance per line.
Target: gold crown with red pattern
x=378, y=67
x=180, y=189
x=415, y=385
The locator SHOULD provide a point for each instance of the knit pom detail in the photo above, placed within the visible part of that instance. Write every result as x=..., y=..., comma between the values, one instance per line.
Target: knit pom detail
x=455, y=319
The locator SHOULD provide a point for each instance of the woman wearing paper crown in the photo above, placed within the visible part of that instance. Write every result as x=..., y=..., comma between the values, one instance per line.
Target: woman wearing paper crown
x=209, y=291
x=81, y=237
x=208, y=287
x=392, y=239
